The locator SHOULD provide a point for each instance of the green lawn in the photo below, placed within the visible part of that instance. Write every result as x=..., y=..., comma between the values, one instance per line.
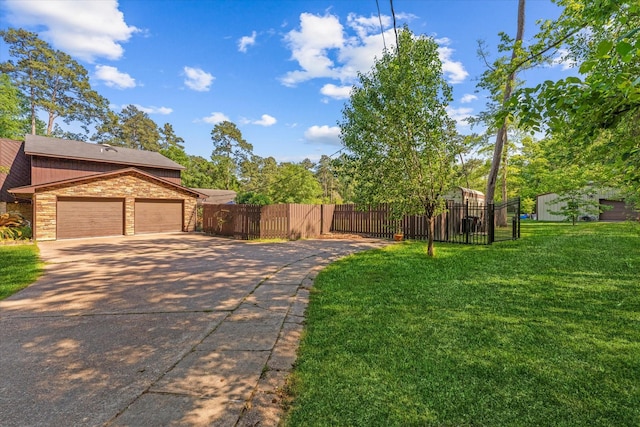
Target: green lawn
x=544, y=331
x=19, y=267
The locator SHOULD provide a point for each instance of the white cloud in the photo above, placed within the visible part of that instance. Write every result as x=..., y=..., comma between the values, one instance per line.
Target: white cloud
x=460, y=115
x=266, y=120
x=114, y=78
x=83, y=29
x=324, y=48
x=310, y=47
x=323, y=135
x=336, y=92
x=246, y=41
x=467, y=98
x=154, y=110
x=453, y=70
x=215, y=118
x=197, y=79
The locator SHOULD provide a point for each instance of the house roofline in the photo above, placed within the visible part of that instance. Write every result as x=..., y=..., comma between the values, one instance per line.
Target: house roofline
x=91, y=159
x=31, y=189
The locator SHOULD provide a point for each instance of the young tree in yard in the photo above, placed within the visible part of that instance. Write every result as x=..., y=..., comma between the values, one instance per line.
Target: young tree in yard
x=51, y=81
x=230, y=149
x=574, y=204
x=398, y=132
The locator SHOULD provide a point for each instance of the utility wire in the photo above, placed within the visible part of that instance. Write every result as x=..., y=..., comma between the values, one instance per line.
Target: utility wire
x=381, y=29
x=395, y=28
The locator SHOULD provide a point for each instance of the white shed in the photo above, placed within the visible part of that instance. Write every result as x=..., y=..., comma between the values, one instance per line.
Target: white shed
x=603, y=196
x=464, y=195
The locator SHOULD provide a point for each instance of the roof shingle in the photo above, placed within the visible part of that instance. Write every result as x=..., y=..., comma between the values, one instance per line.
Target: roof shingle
x=68, y=149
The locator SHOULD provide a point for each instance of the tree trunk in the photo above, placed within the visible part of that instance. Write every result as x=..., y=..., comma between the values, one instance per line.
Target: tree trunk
x=432, y=229
x=501, y=137
x=501, y=215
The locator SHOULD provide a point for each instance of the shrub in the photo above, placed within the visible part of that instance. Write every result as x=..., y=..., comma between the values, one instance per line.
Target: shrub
x=13, y=226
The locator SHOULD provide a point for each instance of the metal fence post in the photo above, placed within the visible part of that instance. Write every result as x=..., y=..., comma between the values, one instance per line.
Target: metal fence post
x=491, y=229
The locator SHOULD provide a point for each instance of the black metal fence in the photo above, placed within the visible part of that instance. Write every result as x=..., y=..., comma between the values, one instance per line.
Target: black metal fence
x=467, y=223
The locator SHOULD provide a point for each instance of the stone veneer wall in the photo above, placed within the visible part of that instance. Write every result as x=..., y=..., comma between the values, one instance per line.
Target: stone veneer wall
x=127, y=186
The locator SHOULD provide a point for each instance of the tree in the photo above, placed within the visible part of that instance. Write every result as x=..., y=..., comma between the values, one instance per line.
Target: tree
x=574, y=204
x=229, y=151
x=325, y=175
x=258, y=174
x=499, y=151
x=13, y=110
x=294, y=183
x=251, y=198
x=130, y=128
x=598, y=111
x=51, y=80
x=398, y=132
x=168, y=137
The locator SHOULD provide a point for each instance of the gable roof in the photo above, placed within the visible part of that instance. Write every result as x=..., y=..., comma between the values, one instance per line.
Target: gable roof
x=36, y=145
x=30, y=189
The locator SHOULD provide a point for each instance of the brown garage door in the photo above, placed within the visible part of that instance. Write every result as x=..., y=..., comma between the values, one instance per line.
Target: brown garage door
x=89, y=217
x=617, y=211
x=158, y=216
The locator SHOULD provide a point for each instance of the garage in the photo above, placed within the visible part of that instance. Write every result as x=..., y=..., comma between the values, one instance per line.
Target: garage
x=618, y=211
x=89, y=217
x=158, y=215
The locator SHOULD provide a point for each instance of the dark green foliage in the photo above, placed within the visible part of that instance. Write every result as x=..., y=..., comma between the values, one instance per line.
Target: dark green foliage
x=51, y=81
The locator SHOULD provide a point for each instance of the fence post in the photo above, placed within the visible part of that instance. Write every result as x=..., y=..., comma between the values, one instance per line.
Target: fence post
x=491, y=230
x=465, y=224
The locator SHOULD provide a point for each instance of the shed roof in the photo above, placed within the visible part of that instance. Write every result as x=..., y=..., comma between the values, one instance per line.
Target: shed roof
x=214, y=196
x=79, y=150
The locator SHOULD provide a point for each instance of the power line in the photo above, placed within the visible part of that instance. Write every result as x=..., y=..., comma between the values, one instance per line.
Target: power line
x=395, y=28
x=381, y=29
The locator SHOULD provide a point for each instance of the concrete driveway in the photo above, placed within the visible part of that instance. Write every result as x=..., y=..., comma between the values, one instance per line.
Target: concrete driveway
x=158, y=330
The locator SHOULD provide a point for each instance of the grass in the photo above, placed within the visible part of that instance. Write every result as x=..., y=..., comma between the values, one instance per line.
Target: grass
x=19, y=267
x=544, y=331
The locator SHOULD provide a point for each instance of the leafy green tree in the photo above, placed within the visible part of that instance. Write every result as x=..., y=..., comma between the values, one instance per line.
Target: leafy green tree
x=574, y=204
x=294, y=183
x=230, y=150
x=258, y=174
x=130, y=128
x=346, y=172
x=51, y=81
x=251, y=198
x=598, y=111
x=398, y=131
x=13, y=110
x=325, y=175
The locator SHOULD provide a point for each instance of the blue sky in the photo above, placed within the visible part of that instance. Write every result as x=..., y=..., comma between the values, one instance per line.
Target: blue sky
x=279, y=69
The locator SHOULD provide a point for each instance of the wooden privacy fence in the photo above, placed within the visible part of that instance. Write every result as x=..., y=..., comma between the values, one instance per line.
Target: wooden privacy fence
x=284, y=221
x=468, y=223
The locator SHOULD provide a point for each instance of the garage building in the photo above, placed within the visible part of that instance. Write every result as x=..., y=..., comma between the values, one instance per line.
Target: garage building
x=80, y=189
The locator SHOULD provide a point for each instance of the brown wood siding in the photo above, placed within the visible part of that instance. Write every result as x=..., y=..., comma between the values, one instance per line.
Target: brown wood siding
x=12, y=156
x=51, y=169
x=158, y=216
x=89, y=217
x=618, y=211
